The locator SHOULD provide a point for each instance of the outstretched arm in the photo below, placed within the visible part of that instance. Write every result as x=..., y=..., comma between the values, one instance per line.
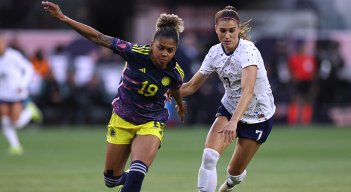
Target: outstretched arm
x=189, y=87
x=85, y=30
x=193, y=85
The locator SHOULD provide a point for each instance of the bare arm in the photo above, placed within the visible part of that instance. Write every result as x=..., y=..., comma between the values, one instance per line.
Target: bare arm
x=248, y=80
x=85, y=30
x=181, y=106
x=193, y=85
x=247, y=85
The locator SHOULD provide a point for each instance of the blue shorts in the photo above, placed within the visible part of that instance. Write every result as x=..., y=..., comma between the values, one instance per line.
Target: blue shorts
x=258, y=132
x=12, y=102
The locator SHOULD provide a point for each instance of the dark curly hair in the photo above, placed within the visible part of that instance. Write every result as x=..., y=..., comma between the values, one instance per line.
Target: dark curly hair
x=169, y=25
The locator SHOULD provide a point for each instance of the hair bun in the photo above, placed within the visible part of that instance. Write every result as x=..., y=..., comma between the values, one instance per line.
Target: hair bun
x=170, y=20
x=229, y=7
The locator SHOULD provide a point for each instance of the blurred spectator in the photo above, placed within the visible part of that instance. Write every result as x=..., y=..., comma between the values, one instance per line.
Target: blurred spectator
x=50, y=100
x=109, y=69
x=40, y=64
x=330, y=89
x=279, y=77
x=188, y=53
x=302, y=68
x=279, y=70
x=87, y=89
x=41, y=70
x=187, y=56
x=54, y=90
x=59, y=61
x=84, y=67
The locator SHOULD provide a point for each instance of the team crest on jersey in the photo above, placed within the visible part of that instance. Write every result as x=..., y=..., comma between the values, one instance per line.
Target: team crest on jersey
x=166, y=81
x=143, y=70
x=112, y=132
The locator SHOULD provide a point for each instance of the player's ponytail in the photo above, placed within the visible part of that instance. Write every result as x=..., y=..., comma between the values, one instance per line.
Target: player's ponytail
x=169, y=25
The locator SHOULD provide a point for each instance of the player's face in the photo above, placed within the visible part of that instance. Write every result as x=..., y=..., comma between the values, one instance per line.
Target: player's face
x=163, y=50
x=228, y=34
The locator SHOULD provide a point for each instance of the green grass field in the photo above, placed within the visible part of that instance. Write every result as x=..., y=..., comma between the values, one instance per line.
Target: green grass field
x=70, y=159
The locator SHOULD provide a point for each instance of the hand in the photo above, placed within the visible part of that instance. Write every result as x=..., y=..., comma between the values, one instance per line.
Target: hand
x=228, y=132
x=53, y=9
x=181, y=110
x=169, y=96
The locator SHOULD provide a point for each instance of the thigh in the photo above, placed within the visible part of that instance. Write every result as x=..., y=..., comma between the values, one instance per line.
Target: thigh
x=15, y=110
x=214, y=139
x=119, y=137
x=4, y=109
x=244, y=151
x=144, y=148
x=120, y=131
x=116, y=157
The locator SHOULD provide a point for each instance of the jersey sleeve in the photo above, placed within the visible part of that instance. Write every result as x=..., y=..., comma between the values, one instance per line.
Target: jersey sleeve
x=207, y=64
x=122, y=48
x=250, y=56
x=180, y=78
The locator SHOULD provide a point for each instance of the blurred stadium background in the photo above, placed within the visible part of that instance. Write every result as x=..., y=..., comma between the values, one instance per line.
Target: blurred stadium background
x=309, y=149
x=82, y=78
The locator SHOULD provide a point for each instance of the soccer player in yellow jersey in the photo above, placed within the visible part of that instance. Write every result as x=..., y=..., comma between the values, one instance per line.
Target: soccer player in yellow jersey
x=139, y=114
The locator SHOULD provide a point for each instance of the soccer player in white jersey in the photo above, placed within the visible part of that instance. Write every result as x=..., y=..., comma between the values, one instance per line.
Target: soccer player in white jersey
x=15, y=75
x=246, y=108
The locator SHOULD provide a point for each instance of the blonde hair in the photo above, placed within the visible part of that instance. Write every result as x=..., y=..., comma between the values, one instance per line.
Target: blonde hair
x=245, y=29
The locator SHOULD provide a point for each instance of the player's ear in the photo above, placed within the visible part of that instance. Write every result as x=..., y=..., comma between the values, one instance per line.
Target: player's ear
x=152, y=45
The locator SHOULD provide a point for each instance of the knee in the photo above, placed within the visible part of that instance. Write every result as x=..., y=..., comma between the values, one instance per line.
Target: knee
x=209, y=159
x=5, y=120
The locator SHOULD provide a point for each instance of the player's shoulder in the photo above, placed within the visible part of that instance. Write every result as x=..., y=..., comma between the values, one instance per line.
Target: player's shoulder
x=141, y=49
x=179, y=70
x=215, y=48
x=246, y=44
x=13, y=52
x=175, y=68
x=246, y=47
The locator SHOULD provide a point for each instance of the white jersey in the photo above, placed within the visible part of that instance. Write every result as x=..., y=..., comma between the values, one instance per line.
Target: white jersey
x=229, y=69
x=15, y=75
